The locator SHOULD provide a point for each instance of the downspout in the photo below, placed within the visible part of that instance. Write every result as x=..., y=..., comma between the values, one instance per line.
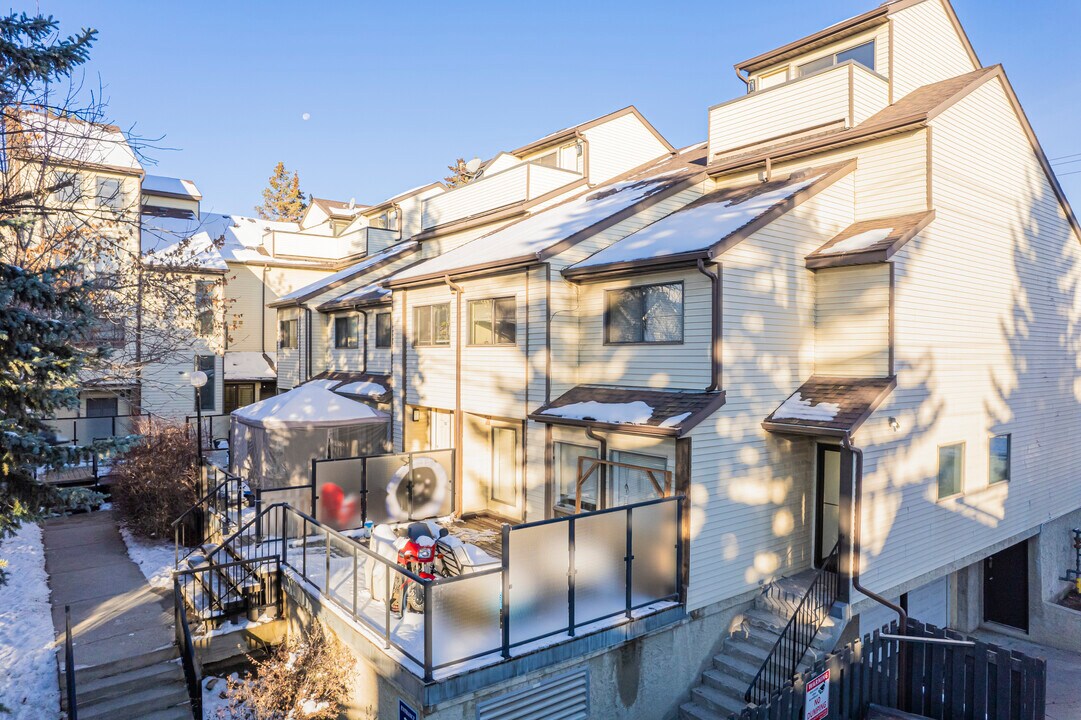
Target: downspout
x=262, y=324
x=458, y=420
x=746, y=80
x=715, y=327
x=603, y=499
x=364, y=355
x=308, y=372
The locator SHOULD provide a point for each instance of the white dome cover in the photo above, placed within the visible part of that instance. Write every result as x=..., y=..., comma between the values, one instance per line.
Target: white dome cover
x=308, y=406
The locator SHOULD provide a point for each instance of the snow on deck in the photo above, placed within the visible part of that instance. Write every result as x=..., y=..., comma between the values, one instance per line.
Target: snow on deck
x=247, y=365
x=798, y=408
x=698, y=226
x=362, y=387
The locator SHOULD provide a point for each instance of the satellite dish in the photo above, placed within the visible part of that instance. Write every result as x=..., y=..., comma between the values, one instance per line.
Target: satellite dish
x=473, y=165
x=352, y=203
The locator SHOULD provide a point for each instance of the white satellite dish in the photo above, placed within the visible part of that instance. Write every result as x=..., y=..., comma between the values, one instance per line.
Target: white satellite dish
x=473, y=166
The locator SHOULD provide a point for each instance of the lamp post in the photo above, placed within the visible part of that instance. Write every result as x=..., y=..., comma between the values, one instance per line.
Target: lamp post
x=198, y=380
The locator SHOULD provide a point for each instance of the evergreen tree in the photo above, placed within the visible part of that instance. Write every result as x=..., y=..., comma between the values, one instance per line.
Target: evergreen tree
x=460, y=174
x=282, y=198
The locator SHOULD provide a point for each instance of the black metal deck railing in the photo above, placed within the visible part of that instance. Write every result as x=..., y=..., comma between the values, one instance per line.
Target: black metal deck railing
x=69, y=667
x=186, y=644
x=787, y=653
x=214, y=516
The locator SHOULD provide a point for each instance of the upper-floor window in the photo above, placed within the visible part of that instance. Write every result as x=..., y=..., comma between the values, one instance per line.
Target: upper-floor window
x=951, y=470
x=205, y=395
x=345, y=332
x=431, y=324
x=109, y=193
x=67, y=186
x=863, y=54
x=288, y=335
x=770, y=79
x=386, y=220
x=204, y=307
x=493, y=321
x=999, y=459
x=382, y=330
x=644, y=314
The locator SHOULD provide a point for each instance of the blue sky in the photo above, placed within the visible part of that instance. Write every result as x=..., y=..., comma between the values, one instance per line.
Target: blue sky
x=396, y=91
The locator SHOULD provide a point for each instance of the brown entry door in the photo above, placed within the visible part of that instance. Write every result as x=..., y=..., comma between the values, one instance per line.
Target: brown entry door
x=1005, y=587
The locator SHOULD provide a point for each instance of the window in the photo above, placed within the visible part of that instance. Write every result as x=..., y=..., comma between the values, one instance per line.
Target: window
x=205, y=395
x=504, y=465
x=385, y=221
x=288, y=337
x=382, y=330
x=237, y=395
x=493, y=322
x=774, y=78
x=1000, y=459
x=567, y=455
x=204, y=307
x=102, y=407
x=431, y=324
x=863, y=54
x=70, y=191
x=345, y=332
x=645, y=314
x=951, y=470
x=109, y=194
x=550, y=160
x=630, y=485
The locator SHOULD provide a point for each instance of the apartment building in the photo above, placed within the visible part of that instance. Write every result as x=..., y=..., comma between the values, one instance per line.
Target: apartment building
x=841, y=329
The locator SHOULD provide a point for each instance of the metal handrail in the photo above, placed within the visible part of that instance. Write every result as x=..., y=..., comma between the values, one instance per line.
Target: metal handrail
x=203, y=502
x=69, y=666
x=799, y=632
x=186, y=645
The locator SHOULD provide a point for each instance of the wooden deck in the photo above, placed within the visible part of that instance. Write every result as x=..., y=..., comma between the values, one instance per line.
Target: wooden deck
x=484, y=531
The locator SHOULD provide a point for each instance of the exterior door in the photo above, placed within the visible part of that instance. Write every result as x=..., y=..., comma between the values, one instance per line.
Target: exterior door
x=1005, y=587
x=238, y=395
x=505, y=483
x=827, y=502
x=440, y=430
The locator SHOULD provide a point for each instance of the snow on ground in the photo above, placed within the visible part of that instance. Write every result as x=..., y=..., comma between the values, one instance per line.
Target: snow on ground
x=214, y=704
x=30, y=689
x=156, y=558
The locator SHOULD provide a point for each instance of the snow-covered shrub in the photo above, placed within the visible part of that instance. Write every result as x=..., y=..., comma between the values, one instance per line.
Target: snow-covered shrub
x=306, y=678
x=156, y=481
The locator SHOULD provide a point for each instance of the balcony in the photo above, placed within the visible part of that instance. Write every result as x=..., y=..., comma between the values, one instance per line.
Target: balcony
x=518, y=184
x=839, y=97
x=363, y=241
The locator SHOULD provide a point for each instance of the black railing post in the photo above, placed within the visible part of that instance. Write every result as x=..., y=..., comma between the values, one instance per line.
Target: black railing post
x=679, y=552
x=629, y=560
x=69, y=666
x=504, y=605
x=570, y=576
x=427, y=631
x=315, y=496
x=258, y=516
x=283, y=533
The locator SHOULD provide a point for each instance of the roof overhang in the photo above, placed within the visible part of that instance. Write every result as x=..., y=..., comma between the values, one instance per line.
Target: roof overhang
x=908, y=227
x=696, y=406
x=855, y=400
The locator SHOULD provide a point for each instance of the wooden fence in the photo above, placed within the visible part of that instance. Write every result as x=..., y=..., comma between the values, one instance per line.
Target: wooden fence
x=975, y=681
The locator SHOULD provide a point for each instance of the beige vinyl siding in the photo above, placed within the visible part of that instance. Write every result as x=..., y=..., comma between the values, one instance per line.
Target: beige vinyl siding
x=380, y=360
x=869, y=93
x=683, y=365
x=279, y=281
x=536, y=330
x=852, y=321
x=926, y=49
x=399, y=300
x=288, y=360
x=751, y=491
x=445, y=243
x=619, y=145
x=344, y=359
x=988, y=339
x=880, y=35
x=430, y=372
x=495, y=378
x=166, y=386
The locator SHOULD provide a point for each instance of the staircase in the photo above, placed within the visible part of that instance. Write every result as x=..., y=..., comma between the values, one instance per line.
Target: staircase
x=722, y=689
x=148, y=686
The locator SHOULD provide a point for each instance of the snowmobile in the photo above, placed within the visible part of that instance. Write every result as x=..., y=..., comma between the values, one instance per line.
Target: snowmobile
x=417, y=552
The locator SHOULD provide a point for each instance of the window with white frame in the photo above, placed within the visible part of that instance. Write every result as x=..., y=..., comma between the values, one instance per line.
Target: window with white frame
x=864, y=54
x=631, y=485
x=431, y=325
x=346, y=332
x=110, y=193
x=204, y=307
x=493, y=321
x=999, y=459
x=951, y=470
x=288, y=335
x=382, y=330
x=68, y=186
x=644, y=314
x=566, y=469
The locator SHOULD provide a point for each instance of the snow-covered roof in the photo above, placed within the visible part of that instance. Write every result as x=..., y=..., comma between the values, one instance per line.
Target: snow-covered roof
x=173, y=187
x=530, y=237
x=242, y=237
x=308, y=406
x=869, y=241
x=644, y=410
x=363, y=388
x=631, y=413
x=829, y=405
x=370, y=294
x=331, y=281
x=70, y=140
x=248, y=365
x=199, y=252
x=700, y=227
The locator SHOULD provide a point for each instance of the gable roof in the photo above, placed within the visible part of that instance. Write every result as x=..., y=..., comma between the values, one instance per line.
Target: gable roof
x=70, y=141
x=642, y=411
x=829, y=405
x=847, y=28
x=710, y=225
x=869, y=241
x=368, y=264
x=395, y=199
x=569, y=133
x=552, y=230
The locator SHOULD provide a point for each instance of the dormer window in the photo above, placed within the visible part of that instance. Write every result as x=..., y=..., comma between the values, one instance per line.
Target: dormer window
x=385, y=221
x=863, y=54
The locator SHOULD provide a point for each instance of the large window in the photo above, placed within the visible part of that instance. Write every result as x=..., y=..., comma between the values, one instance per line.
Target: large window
x=109, y=193
x=566, y=468
x=644, y=314
x=631, y=485
x=67, y=187
x=493, y=321
x=102, y=407
x=431, y=324
x=346, y=332
x=863, y=54
x=1000, y=459
x=382, y=330
x=385, y=221
x=288, y=337
x=204, y=307
x=951, y=470
x=237, y=395
x=504, y=465
x=205, y=394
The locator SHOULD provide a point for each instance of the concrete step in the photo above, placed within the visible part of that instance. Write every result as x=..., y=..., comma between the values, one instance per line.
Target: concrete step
x=744, y=649
x=131, y=681
x=717, y=701
x=724, y=682
x=176, y=712
x=158, y=698
x=757, y=617
x=691, y=711
x=735, y=668
x=116, y=667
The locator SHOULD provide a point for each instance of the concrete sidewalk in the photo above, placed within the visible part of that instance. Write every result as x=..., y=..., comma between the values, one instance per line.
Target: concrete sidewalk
x=114, y=612
x=1063, y=673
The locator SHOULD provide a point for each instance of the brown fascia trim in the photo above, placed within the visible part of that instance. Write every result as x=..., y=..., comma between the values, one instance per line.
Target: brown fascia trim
x=559, y=247
x=681, y=430
x=790, y=429
x=868, y=257
x=80, y=165
x=573, y=132
x=333, y=306
x=688, y=259
x=340, y=281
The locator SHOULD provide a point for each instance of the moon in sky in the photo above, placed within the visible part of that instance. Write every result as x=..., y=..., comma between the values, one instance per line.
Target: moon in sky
x=306, y=116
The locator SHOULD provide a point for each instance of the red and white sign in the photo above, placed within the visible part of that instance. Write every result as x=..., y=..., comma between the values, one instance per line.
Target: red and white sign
x=816, y=706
